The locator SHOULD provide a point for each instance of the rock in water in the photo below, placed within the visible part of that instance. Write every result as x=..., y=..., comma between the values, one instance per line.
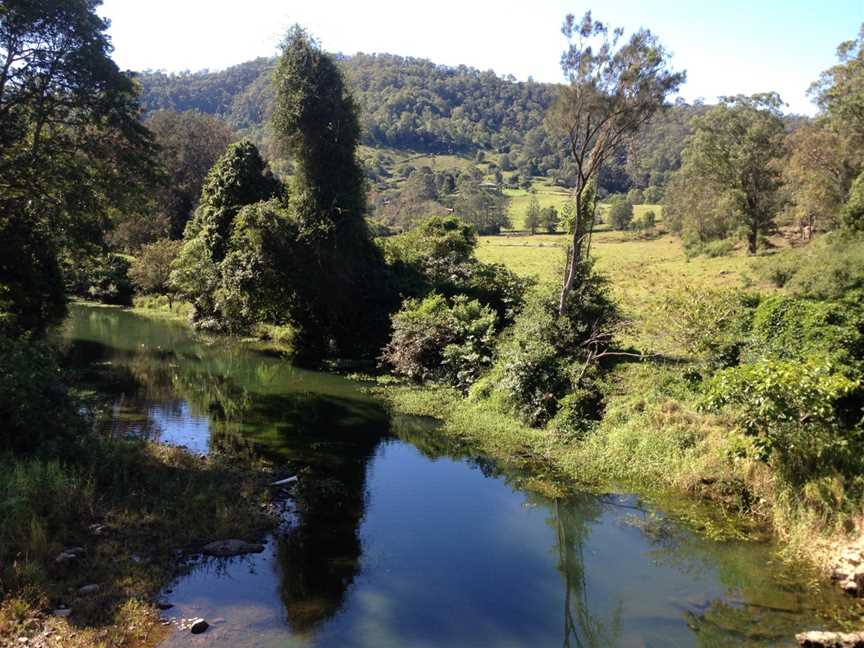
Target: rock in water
x=818, y=639
x=197, y=626
x=232, y=547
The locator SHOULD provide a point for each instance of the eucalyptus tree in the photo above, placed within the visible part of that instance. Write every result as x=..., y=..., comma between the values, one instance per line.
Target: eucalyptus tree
x=735, y=151
x=614, y=89
x=839, y=92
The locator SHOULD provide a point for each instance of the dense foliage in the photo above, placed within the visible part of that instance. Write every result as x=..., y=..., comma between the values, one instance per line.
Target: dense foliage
x=240, y=177
x=71, y=149
x=414, y=104
x=435, y=339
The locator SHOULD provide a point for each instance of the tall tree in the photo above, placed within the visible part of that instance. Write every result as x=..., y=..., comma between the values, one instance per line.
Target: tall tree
x=71, y=143
x=532, y=215
x=239, y=178
x=614, y=90
x=816, y=176
x=735, y=150
x=483, y=207
x=342, y=300
x=839, y=92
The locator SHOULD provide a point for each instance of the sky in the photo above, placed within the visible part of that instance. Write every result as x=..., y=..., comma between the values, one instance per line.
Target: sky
x=727, y=47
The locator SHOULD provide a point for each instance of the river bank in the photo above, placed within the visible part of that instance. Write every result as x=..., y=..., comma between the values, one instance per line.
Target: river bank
x=653, y=439
x=373, y=475
x=89, y=541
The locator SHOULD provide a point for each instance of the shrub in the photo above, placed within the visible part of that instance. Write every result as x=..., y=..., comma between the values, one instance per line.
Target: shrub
x=35, y=406
x=653, y=195
x=104, y=278
x=852, y=216
x=150, y=271
x=831, y=268
x=645, y=222
x=786, y=328
x=780, y=268
x=635, y=196
x=437, y=340
x=791, y=409
x=721, y=248
x=620, y=214
x=438, y=255
x=707, y=324
x=548, y=356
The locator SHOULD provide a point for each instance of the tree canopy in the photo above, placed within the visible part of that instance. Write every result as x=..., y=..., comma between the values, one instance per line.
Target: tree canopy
x=71, y=147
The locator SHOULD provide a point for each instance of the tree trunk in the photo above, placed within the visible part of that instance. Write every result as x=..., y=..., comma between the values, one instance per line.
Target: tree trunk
x=753, y=237
x=572, y=254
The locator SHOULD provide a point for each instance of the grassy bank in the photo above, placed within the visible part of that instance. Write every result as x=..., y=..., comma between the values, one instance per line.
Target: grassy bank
x=655, y=435
x=653, y=441
x=134, y=511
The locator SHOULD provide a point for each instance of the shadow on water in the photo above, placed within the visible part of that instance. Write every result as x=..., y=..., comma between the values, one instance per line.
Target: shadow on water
x=401, y=536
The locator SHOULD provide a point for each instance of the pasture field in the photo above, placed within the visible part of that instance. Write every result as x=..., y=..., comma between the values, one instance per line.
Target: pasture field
x=640, y=271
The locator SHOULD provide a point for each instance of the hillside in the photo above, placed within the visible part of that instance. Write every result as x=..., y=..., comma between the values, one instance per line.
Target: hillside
x=413, y=106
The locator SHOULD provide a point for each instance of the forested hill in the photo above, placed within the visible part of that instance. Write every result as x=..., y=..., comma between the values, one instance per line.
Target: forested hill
x=405, y=103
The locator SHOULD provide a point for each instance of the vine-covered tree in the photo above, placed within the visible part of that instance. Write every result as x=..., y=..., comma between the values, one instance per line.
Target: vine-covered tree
x=339, y=277
x=239, y=178
x=614, y=90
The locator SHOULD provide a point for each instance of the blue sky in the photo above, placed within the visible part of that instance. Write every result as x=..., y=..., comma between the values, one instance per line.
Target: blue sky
x=726, y=46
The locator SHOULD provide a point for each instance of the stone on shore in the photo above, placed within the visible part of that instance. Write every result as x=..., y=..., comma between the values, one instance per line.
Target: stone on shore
x=197, y=626
x=819, y=639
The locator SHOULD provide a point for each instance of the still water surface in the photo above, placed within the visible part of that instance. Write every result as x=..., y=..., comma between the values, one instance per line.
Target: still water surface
x=405, y=539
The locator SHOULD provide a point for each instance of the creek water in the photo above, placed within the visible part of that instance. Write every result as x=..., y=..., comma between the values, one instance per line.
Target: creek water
x=405, y=538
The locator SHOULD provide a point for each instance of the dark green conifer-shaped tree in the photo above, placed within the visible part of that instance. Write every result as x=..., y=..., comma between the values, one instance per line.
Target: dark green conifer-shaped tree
x=339, y=277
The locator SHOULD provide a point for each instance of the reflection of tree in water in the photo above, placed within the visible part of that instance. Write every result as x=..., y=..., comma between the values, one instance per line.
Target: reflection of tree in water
x=571, y=519
x=333, y=439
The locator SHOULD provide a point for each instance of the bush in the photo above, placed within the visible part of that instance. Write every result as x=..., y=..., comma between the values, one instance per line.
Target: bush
x=786, y=328
x=438, y=255
x=35, y=406
x=104, y=278
x=620, y=214
x=709, y=325
x=780, y=268
x=653, y=195
x=721, y=248
x=645, y=222
x=150, y=271
x=791, y=409
x=437, y=340
x=830, y=268
x=852, y=216
x=546, y=356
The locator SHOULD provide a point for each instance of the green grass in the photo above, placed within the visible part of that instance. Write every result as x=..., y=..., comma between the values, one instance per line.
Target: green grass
x=152, y=503
x=641, y=271
x=520, y=199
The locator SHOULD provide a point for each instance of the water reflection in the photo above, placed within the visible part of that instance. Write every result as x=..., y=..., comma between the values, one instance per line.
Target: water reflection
x=402, y=536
